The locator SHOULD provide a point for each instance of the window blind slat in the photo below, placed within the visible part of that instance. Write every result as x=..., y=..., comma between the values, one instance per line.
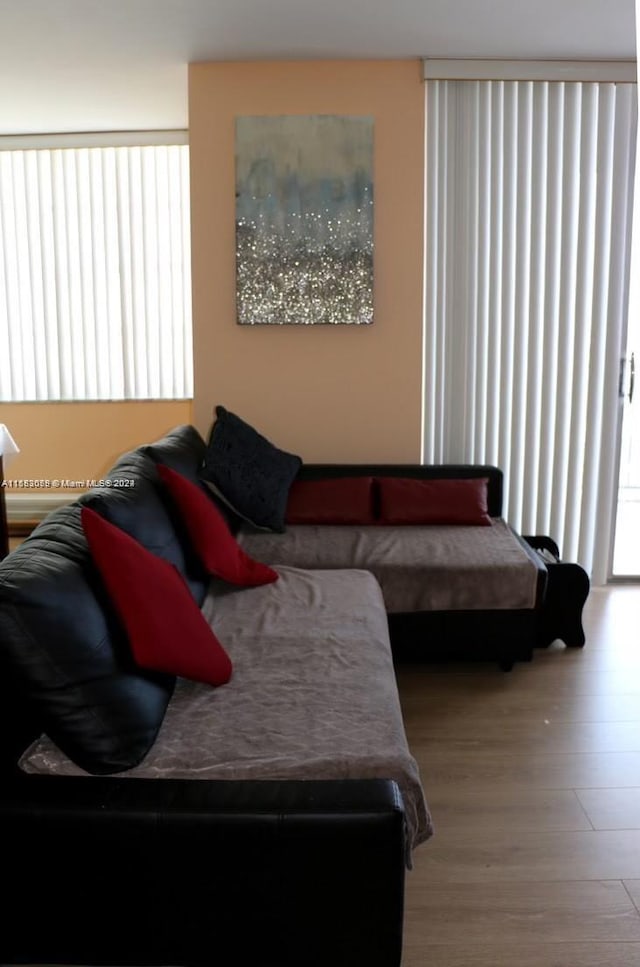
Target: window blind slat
x=431, y=276
x=473, y=224
x=535, y=350
x=483, y=365
x=567, y=266
x=598, y=356
x=522, y=271
x=583, y=302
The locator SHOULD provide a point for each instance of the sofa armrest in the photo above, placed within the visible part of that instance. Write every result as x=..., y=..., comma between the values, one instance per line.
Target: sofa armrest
x=191, y=871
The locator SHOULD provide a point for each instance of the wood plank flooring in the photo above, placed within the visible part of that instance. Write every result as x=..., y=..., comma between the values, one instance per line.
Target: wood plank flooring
x=533, y=780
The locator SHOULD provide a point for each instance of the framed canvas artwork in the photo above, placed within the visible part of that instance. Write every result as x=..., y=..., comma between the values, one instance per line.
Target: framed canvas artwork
x=304, y=220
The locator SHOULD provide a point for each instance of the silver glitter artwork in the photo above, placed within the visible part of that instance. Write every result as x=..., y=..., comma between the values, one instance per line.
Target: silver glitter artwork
x=304, y=220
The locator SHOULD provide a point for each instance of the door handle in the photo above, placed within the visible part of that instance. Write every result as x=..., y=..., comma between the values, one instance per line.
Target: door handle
x=632, y=377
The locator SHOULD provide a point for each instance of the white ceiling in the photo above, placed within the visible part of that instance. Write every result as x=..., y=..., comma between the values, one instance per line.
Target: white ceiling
x=87, y=65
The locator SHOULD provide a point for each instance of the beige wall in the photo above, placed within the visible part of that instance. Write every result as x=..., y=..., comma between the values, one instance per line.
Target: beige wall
x=328, y=393
x=82, y=440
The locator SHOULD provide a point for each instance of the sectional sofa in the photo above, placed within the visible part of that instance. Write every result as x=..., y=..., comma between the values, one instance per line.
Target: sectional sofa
x=285, y=803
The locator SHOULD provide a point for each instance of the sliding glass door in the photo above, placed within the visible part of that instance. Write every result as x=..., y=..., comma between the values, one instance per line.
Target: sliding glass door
x=626, y=552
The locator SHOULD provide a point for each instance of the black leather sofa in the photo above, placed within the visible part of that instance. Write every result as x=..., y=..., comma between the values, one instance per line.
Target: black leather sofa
x=112, y=870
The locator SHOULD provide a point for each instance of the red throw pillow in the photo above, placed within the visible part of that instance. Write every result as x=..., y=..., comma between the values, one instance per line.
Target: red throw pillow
x=166, y=630
x=342, y=500
x=413, y=501
x=212, y=540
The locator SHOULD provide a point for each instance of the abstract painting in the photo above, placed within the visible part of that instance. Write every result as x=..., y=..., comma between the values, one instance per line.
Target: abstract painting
x=304, y=220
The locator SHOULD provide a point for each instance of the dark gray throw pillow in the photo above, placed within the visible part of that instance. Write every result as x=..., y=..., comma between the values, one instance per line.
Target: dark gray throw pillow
x=252, y=474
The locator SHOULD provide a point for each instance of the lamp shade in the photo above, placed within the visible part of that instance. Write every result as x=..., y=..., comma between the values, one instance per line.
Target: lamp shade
x=8, y=446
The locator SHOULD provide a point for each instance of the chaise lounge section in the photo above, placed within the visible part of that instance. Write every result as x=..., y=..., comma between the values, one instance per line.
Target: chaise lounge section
x=289, y=843
x=450, y=591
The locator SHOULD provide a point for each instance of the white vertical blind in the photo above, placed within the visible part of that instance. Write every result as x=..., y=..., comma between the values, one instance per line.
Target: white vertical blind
x=529, y=199
x=95, y=274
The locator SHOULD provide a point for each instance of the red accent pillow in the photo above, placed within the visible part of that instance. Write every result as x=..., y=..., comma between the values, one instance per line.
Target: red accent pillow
x=342, y=500
x=166, y=630
x=213, y=542
x=414, y=501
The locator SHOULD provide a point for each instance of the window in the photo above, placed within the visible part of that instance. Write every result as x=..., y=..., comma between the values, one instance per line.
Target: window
x=95, y=273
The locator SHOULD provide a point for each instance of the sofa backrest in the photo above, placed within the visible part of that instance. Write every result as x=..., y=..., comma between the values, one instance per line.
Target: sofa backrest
x=65, y=655
x=421, y=471
x=65, y=666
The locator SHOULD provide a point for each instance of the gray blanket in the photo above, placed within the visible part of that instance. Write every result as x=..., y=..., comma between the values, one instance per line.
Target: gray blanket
x=434, y=568
x=313, y=694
